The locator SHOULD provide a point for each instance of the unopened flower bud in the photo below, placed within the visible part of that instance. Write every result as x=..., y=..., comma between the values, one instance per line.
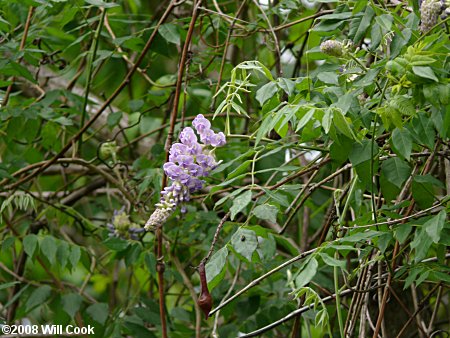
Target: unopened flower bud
x=108, y=149
x=429, y=14
x=332, y=47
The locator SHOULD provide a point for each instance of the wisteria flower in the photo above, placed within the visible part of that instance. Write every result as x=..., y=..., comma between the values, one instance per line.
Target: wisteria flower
x=188, y=161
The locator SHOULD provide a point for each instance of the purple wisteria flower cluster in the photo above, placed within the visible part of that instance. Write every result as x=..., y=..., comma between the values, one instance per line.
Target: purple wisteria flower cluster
x=188, y=161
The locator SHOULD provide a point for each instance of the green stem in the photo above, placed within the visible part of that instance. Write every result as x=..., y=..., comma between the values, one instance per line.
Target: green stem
x=338, y=298
x=336, y=256
x=93, y=55
x=372, y=148
x=431, y=29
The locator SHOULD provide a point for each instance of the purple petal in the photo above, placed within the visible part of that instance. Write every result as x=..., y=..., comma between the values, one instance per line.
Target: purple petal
x=188, y=136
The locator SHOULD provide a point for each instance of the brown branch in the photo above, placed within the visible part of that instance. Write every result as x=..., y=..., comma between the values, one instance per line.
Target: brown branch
x=216, y=236
x=396, y=250
x=21, y=47
x=419, y=308
x=173, y=117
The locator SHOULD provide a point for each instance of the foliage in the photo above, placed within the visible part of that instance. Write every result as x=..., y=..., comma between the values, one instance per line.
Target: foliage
x=328, y=214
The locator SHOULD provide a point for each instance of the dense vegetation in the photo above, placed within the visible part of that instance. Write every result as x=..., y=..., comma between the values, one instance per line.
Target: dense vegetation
x=325, y=213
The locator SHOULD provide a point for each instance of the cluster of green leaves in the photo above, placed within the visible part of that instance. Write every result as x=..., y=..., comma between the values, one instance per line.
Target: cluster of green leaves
x=316, y=154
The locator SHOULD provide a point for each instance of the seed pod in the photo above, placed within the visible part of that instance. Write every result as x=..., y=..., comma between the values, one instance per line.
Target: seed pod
x=205, y=299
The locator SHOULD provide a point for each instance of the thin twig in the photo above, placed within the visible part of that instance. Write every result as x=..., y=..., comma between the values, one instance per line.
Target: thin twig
x=260, y=278
x=216, y=236
x=230, y=290
x=420, y=307
x=275, y=39
x=292, y=315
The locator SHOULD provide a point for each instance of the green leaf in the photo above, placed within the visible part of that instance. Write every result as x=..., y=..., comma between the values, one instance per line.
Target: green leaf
x=116, y=244
x=367, y=79
x=402, y=142
x=385, y=21
x=240, y=202
x=434, y=226
x=98, y=312
x=342, y=124
x=71, y=303
x=423, y=189
x=7, y=285
x=364, y=24
x=331, y=261
x=383, y=241
x=281, y=128
x=267, y=247
x=224, y=166
x=215, y=268
x=242, y=168
x=169, y=32
x=402, y=232
x=30, y=243
x=423, y=130
x=322, y=318
x=22, y=71
x=360, y=236
x=48, y=248
x=361, y=152
x=150, y=261
x=425, y=72
x=328, y=77
x=305, y=119
x=412, y=275
x=345, y=102
x=421, y=245
x=38, y=296
x=269, y=122
x=244, y=242
x=100, y=3
x=307, y=273
x=64, y=121
x=267, y=212
x=74, y=256
x=114, y=118
x=266, y=92
x=336, y=16
x=327, y=119
x=287, y=85
x=62, y=253
x=396, y=171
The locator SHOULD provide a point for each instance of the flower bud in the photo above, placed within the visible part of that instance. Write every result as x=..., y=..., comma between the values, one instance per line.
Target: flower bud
x=108, y=149
x=429, y=14
x=332, y=48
